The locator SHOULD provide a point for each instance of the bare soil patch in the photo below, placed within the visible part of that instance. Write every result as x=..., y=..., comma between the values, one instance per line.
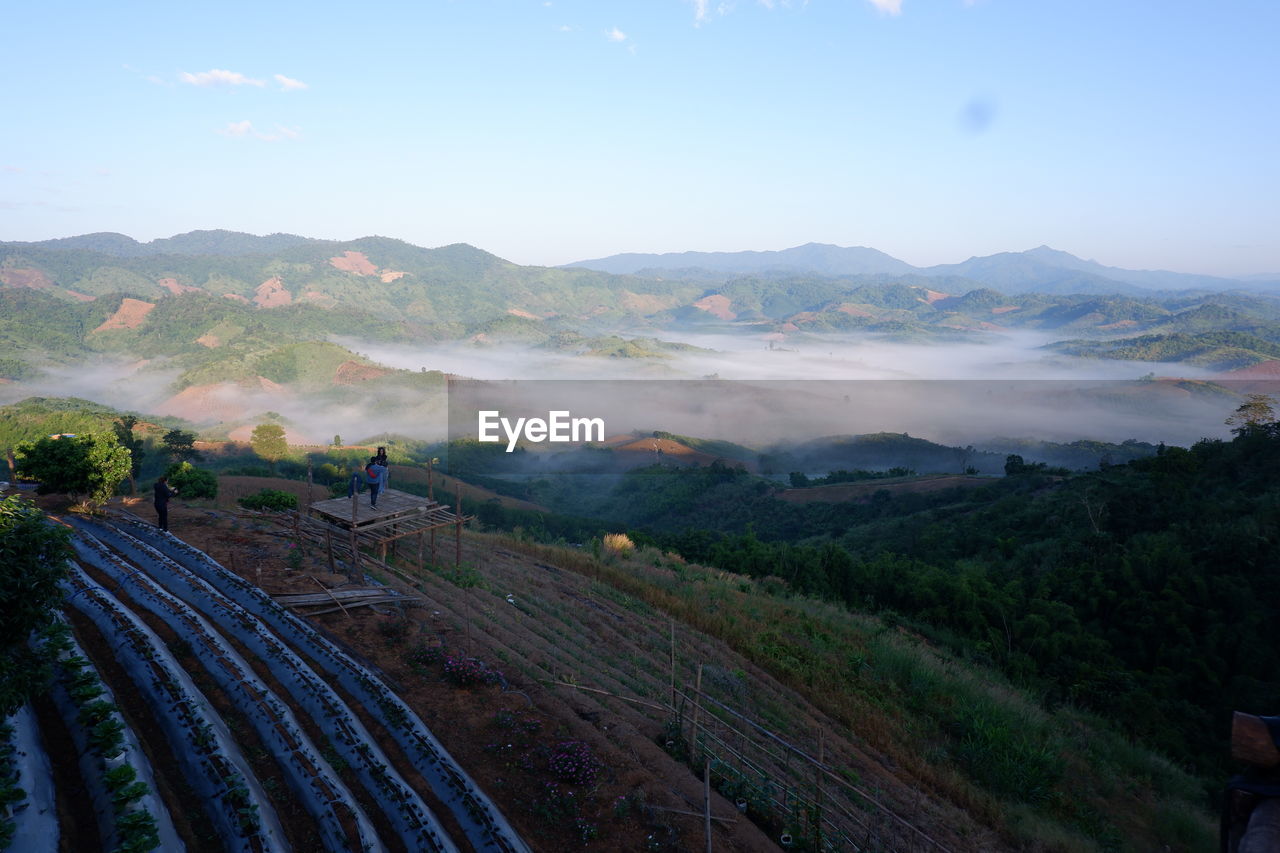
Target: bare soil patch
x=356, y=262
x=717, y=305
x=129, y=315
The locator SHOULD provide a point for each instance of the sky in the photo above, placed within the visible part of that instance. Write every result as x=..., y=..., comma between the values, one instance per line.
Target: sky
x=1141, y=133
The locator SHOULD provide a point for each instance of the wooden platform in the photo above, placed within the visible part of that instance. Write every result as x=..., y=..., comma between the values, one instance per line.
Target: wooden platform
x=393, y=507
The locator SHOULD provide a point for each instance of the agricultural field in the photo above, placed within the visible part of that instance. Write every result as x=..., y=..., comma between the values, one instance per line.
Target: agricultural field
x=577, y=698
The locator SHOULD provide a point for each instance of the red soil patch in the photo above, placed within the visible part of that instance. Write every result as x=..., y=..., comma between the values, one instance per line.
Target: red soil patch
x=129, y=315
x=209, y=340
x=356, y=262
x=268, y=385
x=353, y=372
x=223, y=401
x=841, y=492
x=245, y=433
x=717, y=305
x=932, y=296
x=853, y=310
x=174, y=287
x=667, y=448
x=78, y=296
x=1261, y=370
x=33, y=279
x=389, y=276
x=234, y=296
x=1120, y=324
x=1004, y=309
x=517, y=312
x=272, y=294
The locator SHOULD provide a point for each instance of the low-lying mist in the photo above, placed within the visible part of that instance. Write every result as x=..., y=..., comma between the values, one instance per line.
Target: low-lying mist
x=790, y=391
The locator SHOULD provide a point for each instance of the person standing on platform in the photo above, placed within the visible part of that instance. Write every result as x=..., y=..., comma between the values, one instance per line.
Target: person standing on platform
x=377, y=475
x=381, y=458
x=163, y=493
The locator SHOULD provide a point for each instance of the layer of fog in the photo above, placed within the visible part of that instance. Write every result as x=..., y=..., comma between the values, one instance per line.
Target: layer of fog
x=958, y=393
x=1014, y=355
x=953, y=412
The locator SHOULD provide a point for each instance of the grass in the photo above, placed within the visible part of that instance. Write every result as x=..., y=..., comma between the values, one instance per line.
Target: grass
x=1050, y=779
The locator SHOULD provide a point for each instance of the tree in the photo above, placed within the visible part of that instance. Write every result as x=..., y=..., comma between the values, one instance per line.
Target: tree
x=33, y=561
x=268, y=441
x=337, y=441
x=180, y=445
x=91, y=465
x=192, y=482
x=123, y=427
x=1256, y=412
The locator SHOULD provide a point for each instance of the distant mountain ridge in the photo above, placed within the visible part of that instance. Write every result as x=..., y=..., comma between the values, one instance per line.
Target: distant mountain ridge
x=215, y=242
x=1039, y=270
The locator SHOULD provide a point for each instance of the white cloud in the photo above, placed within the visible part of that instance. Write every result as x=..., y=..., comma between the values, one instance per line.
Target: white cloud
x=288, y=84
x=565, y=28
x=699, y=10
x=888, y=7
x=218, y=77
x=237, y=128
x=615, y=34
x=242, y=129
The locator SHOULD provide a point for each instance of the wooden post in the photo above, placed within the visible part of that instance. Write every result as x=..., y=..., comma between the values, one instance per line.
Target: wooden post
x=13, y=466
x=431, y=490
x=706, y=801
x=328, y=547
x=354, y=571
x=433, y=546
x=697, y=708
x=673, y=664
x=309, y=483
x=817, y=786
x=457, y=535
x=419, y=552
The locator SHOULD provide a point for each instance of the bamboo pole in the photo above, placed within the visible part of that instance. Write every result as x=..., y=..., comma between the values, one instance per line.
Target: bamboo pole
x=457, y=557
x=673, y=664
x=706, y=801
x=354, y=571
x=697, y=709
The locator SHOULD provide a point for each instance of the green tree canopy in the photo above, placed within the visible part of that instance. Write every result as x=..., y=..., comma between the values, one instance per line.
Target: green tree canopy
x=180, y=445
x=33, y=557
x=1257, y=411
x=192, y=482
x=91, y=465
x=268, y=441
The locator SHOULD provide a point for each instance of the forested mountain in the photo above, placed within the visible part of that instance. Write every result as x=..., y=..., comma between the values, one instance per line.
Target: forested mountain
x=1039, y=270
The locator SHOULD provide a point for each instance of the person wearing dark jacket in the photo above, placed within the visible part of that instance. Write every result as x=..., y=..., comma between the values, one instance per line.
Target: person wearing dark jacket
x=163, y=493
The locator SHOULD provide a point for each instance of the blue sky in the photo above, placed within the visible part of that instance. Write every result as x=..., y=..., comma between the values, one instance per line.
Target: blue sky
x=1140, y=133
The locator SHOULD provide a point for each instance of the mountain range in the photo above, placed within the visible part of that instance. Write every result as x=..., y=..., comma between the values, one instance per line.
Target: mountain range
x=1039, y=270
x=223, y=304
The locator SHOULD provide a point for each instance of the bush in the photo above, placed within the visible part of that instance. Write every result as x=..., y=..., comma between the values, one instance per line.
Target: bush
x=618, y=543
x=272, y=500
x=91, y=465
x=192, y=482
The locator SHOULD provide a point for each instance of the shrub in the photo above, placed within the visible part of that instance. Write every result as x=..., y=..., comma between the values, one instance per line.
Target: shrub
x=272, y=500
x=192, y=482
x=619, y=544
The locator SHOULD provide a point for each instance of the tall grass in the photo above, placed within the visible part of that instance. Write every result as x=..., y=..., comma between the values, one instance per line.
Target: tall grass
x=1046, y=779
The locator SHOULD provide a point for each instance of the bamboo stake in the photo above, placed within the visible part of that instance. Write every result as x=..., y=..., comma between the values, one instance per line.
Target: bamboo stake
x=673, y=664
x=697, y=707
x=706, y=801
x=331, y=595
x=457, y=557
